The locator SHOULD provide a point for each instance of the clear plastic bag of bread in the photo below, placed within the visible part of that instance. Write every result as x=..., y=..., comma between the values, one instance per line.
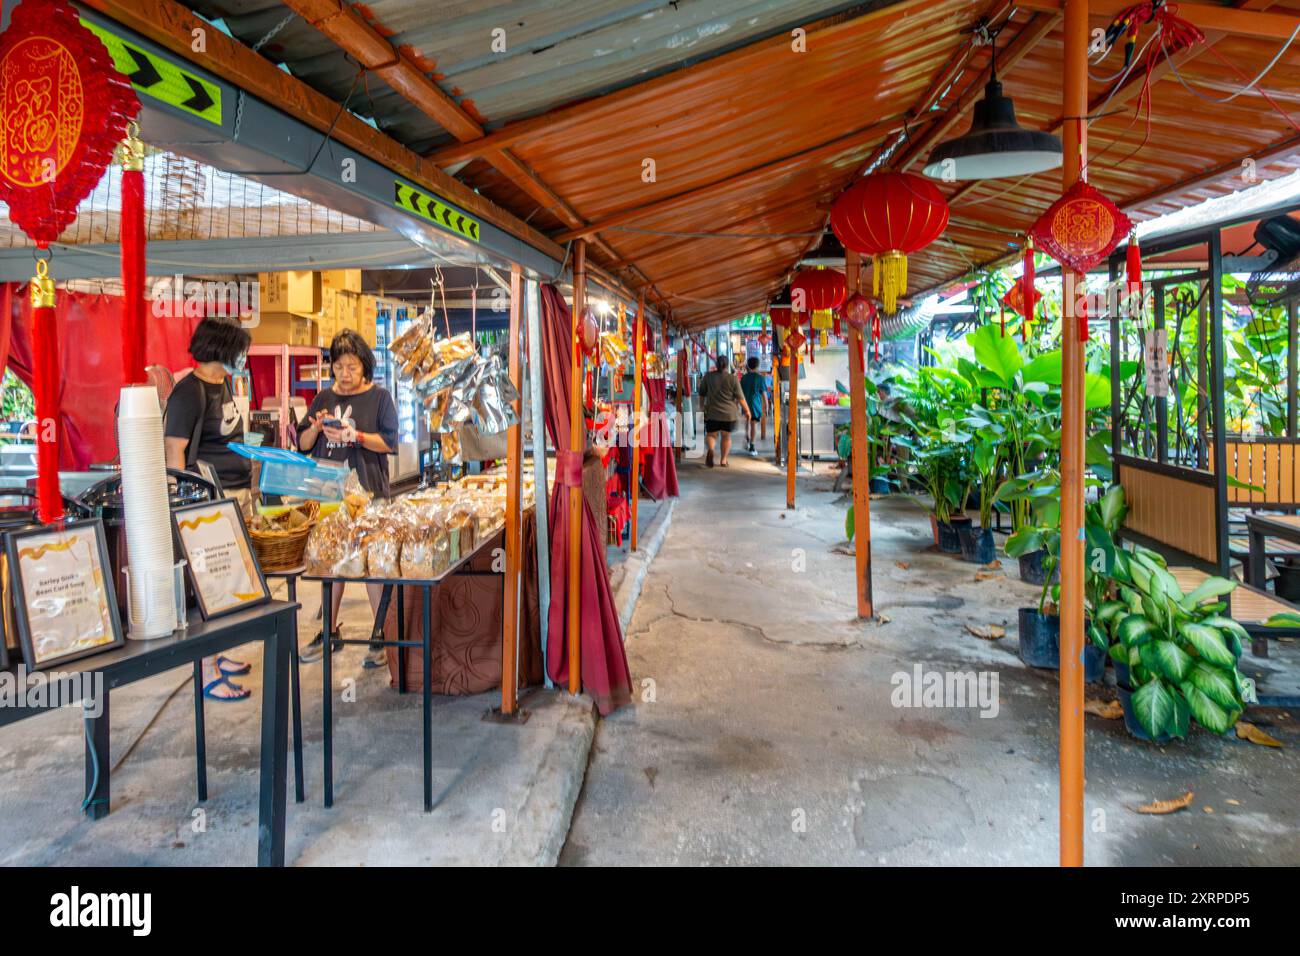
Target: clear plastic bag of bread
x=462, y=521
x=355, y=497
x=426, y=549
x=384, y=542
x=352, y=561
x=328, y=542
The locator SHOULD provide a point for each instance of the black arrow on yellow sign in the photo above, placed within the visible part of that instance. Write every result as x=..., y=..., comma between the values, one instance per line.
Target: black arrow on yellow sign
x=145, y=74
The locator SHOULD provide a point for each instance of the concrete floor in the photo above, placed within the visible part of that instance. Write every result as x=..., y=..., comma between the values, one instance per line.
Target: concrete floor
x=765, y=732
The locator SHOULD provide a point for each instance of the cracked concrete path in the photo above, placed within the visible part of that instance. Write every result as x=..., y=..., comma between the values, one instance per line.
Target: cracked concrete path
x=765, y=732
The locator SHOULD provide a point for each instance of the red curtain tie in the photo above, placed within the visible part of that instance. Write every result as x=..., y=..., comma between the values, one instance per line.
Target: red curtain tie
x=568, y=468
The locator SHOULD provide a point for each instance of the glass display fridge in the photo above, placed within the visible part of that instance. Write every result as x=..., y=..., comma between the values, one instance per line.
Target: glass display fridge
x=412, y=427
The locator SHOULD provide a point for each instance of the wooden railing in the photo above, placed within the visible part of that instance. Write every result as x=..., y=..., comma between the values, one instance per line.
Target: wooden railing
x=1171, y=505
x=1270, y=465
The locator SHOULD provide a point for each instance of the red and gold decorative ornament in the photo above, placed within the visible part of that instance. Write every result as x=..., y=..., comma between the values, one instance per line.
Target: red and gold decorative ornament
x=589, y=332
x=889, y=216
x=1081, y=228
x=63, y=109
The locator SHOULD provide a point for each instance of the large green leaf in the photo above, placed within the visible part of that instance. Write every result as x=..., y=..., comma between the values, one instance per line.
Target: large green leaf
x=1181, y=722
x=997, y=354
x=1209, y=588
x=1112, y=508
x=1208, y=714
x=1218, y=685
x=1135, y=630
x=1045, y=368
x=1154, y=707
x=1167, y=658
x=1023, y=542
x=1096, y=391
x=850, y=526
x=1209, y=644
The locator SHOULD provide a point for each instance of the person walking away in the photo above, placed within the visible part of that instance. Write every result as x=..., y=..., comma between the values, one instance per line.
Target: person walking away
x=723, y=404
x=352, y=421
x=754, y=387
x=201, y=422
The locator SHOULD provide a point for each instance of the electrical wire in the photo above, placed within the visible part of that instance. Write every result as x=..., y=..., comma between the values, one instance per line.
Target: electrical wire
x=1245, y=89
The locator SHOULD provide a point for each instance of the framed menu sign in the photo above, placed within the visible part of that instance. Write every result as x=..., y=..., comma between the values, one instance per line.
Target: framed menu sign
x=219, y=557
x=64, y=603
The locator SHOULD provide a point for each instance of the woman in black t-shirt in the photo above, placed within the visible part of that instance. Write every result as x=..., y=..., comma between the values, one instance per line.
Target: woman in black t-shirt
x=352, y=421
x=201, y=422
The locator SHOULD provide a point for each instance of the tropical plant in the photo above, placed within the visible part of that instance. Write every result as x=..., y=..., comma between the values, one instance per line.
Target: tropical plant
x=1181, y=650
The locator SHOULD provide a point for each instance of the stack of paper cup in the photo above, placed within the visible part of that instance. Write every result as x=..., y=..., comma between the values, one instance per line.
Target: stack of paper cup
x=148, y=516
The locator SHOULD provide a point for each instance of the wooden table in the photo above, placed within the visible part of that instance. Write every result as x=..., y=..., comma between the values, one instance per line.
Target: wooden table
x=1260, y=528
x=271, y=623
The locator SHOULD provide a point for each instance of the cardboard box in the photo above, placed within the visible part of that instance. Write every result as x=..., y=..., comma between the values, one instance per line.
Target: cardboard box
x=341, y=280
x=282, y=328
x=297, y=293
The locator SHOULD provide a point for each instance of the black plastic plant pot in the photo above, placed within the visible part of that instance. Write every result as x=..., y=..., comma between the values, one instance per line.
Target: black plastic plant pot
x=1122, y=675
x=1031, y=568
x=879, y=486
x=1287, y=583
x=1131, y=723
x=949, y=535
x=1040, y=644
x=977, y=544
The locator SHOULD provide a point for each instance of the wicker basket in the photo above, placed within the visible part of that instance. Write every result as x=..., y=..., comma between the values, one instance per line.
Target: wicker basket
x=282, y=549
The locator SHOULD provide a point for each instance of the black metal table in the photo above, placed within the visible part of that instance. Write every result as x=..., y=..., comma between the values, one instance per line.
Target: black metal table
x=290, y=577
x=270, y=623
x=429, y=588
x=1260, y=528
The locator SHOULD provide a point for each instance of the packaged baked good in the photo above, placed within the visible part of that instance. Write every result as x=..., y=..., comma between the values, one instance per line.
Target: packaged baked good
x=327, y=543
x=355, y=497
x=352, y=562
x=404, y=345
x=426, y=547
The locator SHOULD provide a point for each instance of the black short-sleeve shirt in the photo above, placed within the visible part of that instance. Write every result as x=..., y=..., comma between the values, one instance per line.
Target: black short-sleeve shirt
x=194, y=400
x=371, y=411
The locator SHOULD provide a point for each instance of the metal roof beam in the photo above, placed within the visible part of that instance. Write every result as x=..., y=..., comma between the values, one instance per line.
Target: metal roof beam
x=1236, y=21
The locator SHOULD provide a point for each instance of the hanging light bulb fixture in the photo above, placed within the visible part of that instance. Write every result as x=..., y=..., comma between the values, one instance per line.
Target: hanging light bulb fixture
x=995, y=146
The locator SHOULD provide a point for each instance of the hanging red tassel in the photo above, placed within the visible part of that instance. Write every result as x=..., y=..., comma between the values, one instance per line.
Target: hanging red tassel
x=1028, y=298
x=875, y=335
x=1133, y=275
x=1081, y=304
x=131, y=156
x=45, y=391
x=1002, y=319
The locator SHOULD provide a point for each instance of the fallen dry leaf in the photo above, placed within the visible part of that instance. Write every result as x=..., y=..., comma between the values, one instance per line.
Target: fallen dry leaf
x=903, y=564
x=1208, y=809
x=989, y=632
x=994, y=564
x=1168, y=806
x=882, y=619
x=986, y=575
x=1111, y=709
x=1248, y=731
x=1233, y=803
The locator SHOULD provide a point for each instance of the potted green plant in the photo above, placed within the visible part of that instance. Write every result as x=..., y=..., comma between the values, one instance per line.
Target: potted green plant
x=986, y=457
x=1176, y=654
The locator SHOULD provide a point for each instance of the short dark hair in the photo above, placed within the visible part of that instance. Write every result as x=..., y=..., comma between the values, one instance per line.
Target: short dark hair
x=349, y=342
x=721, y=363
x=753, y=363
x=219, y=339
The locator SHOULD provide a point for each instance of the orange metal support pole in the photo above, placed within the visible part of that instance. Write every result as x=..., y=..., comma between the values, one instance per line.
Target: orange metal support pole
x=636, y=410
x=514, y=520
x=577, y=444
x=1075, y=108
x=861, y=453
x=792, y=431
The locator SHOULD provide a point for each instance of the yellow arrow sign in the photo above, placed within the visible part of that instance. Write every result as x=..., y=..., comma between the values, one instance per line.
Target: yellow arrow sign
x=430, y=208
x=160, y=78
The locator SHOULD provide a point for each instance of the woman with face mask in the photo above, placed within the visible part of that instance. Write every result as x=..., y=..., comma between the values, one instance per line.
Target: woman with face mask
x=352, y=421
x=201, y=422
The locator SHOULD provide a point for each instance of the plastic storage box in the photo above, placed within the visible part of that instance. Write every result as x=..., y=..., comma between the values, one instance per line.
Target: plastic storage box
x=286, y=472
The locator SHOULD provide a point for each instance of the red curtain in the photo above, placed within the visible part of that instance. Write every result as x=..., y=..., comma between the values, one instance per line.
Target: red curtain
x=605, y=673
x=90, y=363
x=658, y=470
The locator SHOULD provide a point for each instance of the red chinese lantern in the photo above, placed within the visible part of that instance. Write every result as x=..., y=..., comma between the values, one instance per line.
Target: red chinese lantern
x=781, y=315
x=889, y=216
x=816, y=289
x=64, y=108
x=590, y=332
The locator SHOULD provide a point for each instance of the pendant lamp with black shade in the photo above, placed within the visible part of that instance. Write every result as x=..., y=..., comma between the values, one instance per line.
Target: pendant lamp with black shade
x=995, y=146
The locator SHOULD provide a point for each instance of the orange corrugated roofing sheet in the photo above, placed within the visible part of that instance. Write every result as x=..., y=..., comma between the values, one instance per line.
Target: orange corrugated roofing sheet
x=725, y=118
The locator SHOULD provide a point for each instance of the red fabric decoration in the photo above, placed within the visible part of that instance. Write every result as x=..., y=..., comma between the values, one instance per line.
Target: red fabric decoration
x=133, y=245
x=813, y=290
x=63, y=108
x=890, y=216
x=1028, y=302
x=605, y=674
x=1133, y=276
x=858, y=311
x=1081, y=308
x=1024, y=306
x=875, y=335
x=590, y=332
x=658, y=469
x=781, y=315
x=1081, y=228
x=45, y=391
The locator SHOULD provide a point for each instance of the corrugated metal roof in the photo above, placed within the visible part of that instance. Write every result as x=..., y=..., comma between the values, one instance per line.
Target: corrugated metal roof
x=768, y=136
